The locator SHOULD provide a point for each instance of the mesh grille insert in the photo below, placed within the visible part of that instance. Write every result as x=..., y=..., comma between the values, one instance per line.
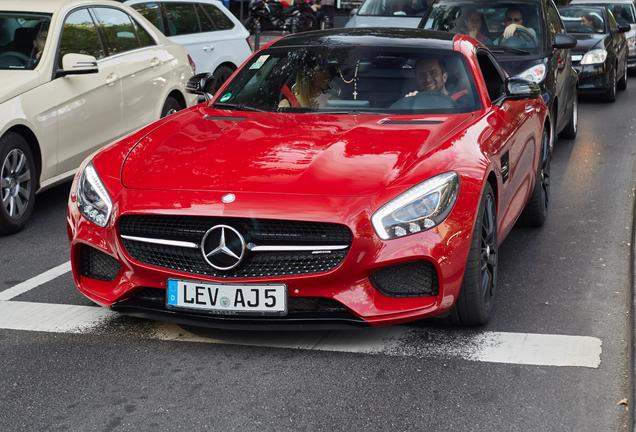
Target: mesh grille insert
x=259, y=231
x=97, y=265
x=418, y=278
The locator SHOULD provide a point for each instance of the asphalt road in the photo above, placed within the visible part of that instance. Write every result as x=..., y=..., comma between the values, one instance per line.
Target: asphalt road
x=572, y=277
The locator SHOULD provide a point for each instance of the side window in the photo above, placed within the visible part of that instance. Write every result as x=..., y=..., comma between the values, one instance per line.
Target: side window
x=144, y=37
x=221, y=21
x=152, y=12
x=182, y=19
x=118, y=30
x=207, y=25
x=554, y=19
x=494, y=81
x=79, y=36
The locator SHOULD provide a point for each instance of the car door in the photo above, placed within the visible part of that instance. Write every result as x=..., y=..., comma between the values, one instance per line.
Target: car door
x=562, y=65
x=143, y=66
x=183, y=28
x=618, y=44
x=511, y=139
x=227, y=40
x=87, y=107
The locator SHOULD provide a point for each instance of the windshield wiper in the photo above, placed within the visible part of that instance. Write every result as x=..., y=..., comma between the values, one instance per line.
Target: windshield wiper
x=504, y=49
x=239, y=107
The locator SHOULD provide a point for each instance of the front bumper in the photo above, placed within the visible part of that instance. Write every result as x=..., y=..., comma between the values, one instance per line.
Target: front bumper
x=348, y=285
x=592, y=78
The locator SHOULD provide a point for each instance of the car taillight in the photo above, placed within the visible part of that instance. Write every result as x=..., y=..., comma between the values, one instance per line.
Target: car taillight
x=192, y=64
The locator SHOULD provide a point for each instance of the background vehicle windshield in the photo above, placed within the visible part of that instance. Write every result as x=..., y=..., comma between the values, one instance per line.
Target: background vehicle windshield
x=22, y=39
x=407, y=8
x=583, y=19
x=623, y=12
x=487, y=23
x=354, y=79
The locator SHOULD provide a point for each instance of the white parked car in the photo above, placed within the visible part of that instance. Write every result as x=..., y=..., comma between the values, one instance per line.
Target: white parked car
x=75, y=75
x=215, y=39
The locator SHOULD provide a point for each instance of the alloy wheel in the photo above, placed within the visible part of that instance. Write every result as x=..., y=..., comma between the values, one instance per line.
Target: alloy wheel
x=488, y=249
x=15, y=183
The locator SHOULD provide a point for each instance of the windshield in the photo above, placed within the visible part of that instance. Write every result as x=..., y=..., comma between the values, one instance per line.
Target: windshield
x=397, y=8
x=22, y=39
x=623, y=12
x=583, y=19
x=512, y=27
x=351, y=80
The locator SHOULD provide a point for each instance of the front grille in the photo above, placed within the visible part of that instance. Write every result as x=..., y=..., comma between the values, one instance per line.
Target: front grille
x=418, y=278
x=97, y=265
x=306, y=307
x=261, y=232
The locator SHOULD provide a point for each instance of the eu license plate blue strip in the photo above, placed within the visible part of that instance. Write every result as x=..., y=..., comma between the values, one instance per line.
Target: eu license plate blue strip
x=173, y=296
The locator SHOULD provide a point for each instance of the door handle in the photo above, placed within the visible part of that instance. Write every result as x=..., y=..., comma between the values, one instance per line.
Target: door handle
x=155, y=62
x=208, y=48
x=111, y=79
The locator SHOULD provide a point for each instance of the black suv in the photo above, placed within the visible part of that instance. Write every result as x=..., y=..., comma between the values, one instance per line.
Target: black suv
x=528, y=39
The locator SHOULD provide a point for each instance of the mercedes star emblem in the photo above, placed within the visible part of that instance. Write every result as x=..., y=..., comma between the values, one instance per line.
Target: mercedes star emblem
x=223, y=247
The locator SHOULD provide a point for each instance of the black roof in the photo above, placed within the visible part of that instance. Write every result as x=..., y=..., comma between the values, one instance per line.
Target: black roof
x=370, y=37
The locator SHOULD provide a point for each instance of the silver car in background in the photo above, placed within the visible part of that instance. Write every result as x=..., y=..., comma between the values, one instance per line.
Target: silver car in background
x=389, y=13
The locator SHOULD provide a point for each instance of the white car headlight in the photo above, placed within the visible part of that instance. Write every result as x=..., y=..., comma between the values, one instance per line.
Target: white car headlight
x=92, y=199
x=418, y=209
x=535, y=74
x=595, y=56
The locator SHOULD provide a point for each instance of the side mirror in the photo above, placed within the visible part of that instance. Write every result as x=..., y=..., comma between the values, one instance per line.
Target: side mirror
x=563, y=41
x=201, y=84
x=77, y=64
x=353, y=12
x=624, y=28
x=520, y=88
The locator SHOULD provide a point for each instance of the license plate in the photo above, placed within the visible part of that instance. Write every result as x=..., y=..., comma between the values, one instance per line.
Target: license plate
x=227, y=299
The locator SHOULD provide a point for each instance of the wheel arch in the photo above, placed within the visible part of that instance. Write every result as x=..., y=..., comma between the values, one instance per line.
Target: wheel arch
x=26, y=133
x=176, y=94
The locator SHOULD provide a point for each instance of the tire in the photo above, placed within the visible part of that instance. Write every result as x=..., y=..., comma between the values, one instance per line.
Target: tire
x=18, y=182
x=573, y=124
x=622, y=83
x=536, y=210
x=610, y=93
x=474, y=305
x=221, y=74
x=170, y=106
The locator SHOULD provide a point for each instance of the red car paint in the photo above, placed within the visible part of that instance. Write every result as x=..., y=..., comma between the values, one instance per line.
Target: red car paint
x=342, y=173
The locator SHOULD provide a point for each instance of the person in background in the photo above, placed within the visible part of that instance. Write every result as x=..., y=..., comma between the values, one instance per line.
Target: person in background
x=472, y=24
x=513, y=22
x=38, y=43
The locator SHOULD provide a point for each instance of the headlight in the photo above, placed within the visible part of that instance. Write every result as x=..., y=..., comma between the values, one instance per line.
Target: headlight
x=631, y=41
x=418, y=209
x=595, y=56
x=92, y=199
x=536, y=73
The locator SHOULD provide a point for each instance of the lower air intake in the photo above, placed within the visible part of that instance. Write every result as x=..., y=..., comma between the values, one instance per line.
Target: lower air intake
x=97, y=265
x=418, y=278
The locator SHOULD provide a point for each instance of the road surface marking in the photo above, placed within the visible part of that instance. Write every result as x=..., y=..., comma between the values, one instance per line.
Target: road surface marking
x=35, y=282
x=401, y=341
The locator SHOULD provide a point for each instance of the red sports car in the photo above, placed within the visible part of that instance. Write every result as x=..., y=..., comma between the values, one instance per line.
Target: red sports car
x=344, y=177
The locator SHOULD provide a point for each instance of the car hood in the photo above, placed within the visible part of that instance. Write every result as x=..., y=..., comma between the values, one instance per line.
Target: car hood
x=346, y=155
x=586, y=42
x=16, y=82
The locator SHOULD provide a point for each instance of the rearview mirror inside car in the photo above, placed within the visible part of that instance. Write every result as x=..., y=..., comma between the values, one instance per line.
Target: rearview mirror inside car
x=201, y=84
x=563, y=41
x=77, y=64
x=521, y=88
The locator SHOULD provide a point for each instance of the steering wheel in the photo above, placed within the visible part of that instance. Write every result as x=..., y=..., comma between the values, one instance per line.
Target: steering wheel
x=522, y=38
x=25, y=59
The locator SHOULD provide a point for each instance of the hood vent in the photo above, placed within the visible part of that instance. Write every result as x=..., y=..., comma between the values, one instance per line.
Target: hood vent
x=225, y=118
x=410, y=122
